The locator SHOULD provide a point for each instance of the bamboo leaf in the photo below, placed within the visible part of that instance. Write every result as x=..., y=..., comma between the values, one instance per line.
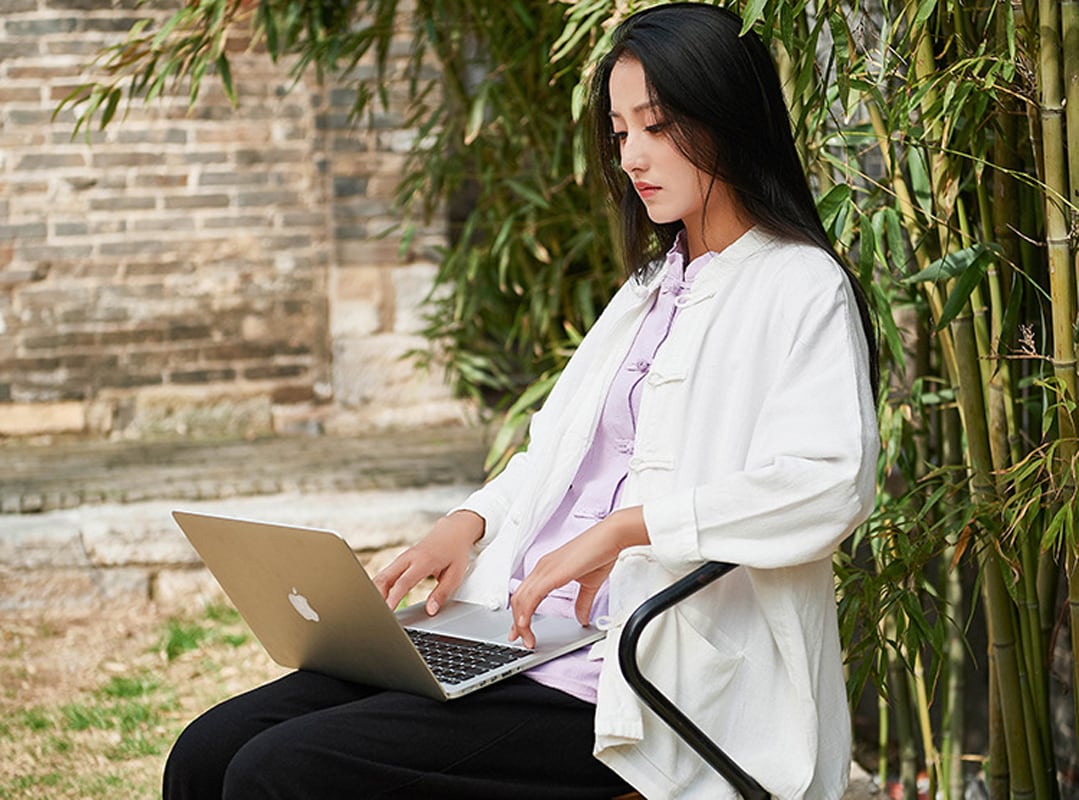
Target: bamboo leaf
x=107, y=113
x=752, y=13
x=925, y=10
x=572, y=37
x=578, y=101
x=476, y=114
x=841, y=53
x=169, y=26
x=919, y=180
x=834, y=201
x=528, y=193
x=867, y=249
x=225, y=71
x=888, y=328
x=966, y=283
x=954, y=264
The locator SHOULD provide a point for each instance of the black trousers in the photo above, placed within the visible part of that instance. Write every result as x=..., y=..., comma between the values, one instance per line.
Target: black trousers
x=311, y=736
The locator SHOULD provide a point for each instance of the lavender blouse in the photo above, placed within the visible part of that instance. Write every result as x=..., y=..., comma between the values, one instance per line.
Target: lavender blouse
x=595, y=490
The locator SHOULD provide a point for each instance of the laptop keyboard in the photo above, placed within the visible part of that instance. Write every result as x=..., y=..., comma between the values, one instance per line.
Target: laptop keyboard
x=455, y=660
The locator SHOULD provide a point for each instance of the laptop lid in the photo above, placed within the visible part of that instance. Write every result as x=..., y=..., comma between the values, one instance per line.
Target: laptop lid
x=311, y=604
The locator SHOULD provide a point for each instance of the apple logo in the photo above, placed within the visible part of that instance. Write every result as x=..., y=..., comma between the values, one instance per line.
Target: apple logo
x=303, y=608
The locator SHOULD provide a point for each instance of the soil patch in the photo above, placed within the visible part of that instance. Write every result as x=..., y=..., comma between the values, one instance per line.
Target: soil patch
x=90, y=703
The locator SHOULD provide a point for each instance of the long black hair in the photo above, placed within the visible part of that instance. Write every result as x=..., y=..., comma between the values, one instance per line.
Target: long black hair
x=719, y=94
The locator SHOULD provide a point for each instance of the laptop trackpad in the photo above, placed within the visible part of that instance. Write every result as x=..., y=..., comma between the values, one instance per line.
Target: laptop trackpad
x=473, y=621
x=469, y=620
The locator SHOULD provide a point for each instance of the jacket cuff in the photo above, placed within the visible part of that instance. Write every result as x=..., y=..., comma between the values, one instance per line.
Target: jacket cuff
x=490, y=508
x=672, y=528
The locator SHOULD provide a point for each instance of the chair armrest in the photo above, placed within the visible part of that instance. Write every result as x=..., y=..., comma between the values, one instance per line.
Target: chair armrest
x=657, y=701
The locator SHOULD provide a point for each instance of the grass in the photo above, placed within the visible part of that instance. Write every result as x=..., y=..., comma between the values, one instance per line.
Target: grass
x=108, y=738
x=183, y=636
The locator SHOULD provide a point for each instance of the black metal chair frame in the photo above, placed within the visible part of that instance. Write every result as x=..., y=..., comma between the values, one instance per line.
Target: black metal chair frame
x=659, y=703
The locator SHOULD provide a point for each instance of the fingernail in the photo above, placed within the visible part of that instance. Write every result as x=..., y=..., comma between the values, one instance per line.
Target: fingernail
x=432, y=607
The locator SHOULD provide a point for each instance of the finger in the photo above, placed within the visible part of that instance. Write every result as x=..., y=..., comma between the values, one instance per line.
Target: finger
x=586, y=596
x=523, y=609
x=448, y=582
x=521, y=629
x=389, y=574
x=409, y=578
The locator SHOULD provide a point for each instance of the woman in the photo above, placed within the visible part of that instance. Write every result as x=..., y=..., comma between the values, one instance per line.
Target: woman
x=722, y=408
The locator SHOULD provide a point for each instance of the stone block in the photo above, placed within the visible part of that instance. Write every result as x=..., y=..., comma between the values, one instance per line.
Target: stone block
x=69, y=589
x=427, y=414
x=16, y=28
x=378, y=370
x=36, y=541
x=140, y=534
x=205, y=412
x=47, y=161
x=197, y=201
x=34, y=419
x=186, y=588
x=358, y=296
x=268, y=198
x=370, y=253
x=411, y=286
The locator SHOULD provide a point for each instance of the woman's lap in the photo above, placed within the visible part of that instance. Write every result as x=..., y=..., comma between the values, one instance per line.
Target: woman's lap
x=308, y=735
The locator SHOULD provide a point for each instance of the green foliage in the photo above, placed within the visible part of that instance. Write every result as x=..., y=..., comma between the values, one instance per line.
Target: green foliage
x=529, y=264
x=182, y=636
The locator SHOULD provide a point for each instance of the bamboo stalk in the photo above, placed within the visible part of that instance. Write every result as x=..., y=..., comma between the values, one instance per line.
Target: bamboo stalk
x=1069, y=20
x=998, y=603
x=921, y=700
x=1062, y=280
x=1036, y=648
x=1069, y=23
x=999, y=770
x=998, y=217
x=1062, y=273
x=904, y=728
x=1002, y=648
x=952, y=716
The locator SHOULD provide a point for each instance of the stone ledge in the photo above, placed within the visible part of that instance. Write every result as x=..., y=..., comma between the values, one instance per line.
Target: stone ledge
x=100, y=554
x=68, y=475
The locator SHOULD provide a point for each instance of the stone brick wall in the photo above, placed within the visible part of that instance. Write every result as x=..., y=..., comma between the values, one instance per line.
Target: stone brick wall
x=205, y=273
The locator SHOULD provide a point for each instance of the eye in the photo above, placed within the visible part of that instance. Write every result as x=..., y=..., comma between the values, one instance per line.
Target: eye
x=656, y=127
x=618, y=136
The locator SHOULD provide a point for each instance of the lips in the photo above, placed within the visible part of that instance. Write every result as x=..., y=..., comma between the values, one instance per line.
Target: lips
x=645, y=190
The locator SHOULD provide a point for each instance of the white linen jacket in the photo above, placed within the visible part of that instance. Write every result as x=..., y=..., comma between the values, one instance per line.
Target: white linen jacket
x=756, y=443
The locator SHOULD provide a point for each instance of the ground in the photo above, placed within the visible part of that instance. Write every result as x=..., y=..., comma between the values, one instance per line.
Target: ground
x=89, y=704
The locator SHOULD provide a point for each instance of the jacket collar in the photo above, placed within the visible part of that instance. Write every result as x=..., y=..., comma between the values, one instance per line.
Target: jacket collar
x=741, y=249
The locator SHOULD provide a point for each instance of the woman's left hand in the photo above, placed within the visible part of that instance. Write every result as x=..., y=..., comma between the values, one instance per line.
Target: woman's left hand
x=587, y=559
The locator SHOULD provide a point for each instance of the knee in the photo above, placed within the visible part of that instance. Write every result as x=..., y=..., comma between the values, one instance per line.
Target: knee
x=261, y=768
x=195, y=764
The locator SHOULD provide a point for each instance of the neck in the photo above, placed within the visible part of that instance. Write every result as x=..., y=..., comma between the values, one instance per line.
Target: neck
x=717, y=226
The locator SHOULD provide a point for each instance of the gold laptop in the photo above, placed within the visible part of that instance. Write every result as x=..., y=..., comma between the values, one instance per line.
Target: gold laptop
x=311, y=604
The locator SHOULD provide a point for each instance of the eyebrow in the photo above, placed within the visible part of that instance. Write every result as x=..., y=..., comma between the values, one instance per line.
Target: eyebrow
x=639, y=107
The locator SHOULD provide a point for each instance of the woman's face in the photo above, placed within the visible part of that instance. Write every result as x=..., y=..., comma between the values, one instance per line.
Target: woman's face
x=670, y=187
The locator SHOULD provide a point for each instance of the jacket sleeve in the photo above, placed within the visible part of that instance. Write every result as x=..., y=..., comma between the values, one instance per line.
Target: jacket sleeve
x=810, y=469
x=492, y=501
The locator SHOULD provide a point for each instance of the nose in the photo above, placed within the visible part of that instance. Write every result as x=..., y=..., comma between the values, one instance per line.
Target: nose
x=633, y=155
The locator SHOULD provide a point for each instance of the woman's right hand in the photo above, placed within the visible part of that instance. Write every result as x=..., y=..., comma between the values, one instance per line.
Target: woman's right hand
x=443, y=554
